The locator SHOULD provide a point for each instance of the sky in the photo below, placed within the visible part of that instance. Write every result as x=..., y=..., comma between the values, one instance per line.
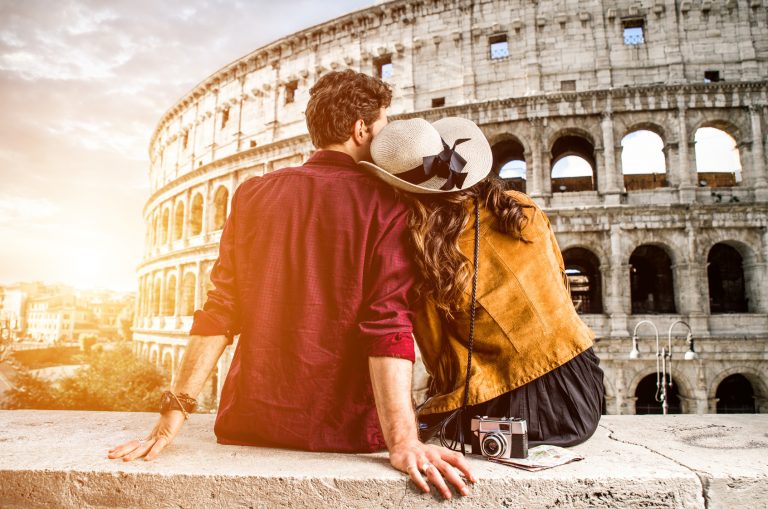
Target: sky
x=82, y=87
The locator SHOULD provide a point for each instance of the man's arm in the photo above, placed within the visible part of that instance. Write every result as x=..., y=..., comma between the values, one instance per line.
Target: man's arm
x=200, y=358
x=391, y=380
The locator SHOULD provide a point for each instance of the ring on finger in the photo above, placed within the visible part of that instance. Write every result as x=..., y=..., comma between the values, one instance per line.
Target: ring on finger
x=426, y=466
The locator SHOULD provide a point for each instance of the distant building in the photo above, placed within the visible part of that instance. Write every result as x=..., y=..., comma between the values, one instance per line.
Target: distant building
x=59, y=318
x=58, y=312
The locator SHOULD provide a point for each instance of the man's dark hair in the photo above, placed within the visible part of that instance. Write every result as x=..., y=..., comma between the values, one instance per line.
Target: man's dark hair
x=338, y=100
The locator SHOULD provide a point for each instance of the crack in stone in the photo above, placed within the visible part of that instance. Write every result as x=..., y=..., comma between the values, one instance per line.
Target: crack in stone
x=701, y=476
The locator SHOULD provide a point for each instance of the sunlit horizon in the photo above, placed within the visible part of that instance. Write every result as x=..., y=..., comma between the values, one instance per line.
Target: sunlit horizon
x=82, y=87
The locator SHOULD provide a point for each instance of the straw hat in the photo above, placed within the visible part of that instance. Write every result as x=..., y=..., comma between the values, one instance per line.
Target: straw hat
x=449, y=155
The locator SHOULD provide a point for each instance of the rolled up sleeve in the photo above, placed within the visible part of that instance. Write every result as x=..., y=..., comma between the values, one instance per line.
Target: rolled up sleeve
x=386, y=320
x=220, y=315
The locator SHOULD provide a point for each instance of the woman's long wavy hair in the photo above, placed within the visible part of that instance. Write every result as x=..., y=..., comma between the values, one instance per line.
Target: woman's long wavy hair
x=436, y=222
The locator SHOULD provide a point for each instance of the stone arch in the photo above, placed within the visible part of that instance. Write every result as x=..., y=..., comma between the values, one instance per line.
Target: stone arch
x=145, y=351
x=727, y=126
x=188, y=285
x=609, y=396
x=178, y=220
x=652, y=283
x=749, y=265
x=154, y=354
x=683, y=385
x=509, y=161
x=646, y=125
x=571, y=152
x=169, y=303
x=647, y=146
x=168, y=361
x=582, y=267
x=156, y=292
x=165, y=226
x=719, y=136
x=196, y=214
x=754, y=376
x=156, y=229
x=725, y=278
x=220, y=205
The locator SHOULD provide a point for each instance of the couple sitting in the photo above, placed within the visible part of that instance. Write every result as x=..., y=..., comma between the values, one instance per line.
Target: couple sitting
x=327, y=271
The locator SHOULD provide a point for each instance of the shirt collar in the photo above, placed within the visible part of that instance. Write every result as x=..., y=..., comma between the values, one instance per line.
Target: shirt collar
x=331, y=158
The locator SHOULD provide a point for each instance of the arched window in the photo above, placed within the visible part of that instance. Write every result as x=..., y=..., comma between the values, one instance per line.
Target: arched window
x=642, y=161
x=725, y=274
x=509, y=163
x=651, y=281
x=156, y=230
x=188, y=294
x=220, y=202
x=178, y=221
x=169, y=307
x=582, y=268
x=573, y=165
x=718, y=163
x=647, y=393
x=166, y=225
x=735, y=395
x=196, y=215
x=156, y=298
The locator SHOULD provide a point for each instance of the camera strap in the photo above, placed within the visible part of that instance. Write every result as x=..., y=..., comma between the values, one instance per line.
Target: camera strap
x=457, y=414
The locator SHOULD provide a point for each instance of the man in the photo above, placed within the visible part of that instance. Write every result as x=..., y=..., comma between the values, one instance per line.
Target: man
x=313, y=274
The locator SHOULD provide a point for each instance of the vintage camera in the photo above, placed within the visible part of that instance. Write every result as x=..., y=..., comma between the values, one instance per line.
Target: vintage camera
x=499, y=437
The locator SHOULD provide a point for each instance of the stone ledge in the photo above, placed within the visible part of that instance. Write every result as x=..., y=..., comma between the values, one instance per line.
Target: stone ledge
x=58, y=459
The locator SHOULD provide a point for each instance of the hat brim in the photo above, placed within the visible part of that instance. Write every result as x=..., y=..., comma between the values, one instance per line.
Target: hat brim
x=398, y=182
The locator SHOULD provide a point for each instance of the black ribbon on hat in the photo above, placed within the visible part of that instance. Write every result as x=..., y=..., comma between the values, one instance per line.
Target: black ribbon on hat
x=447, y=164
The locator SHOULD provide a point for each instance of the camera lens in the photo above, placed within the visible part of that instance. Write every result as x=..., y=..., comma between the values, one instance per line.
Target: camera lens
x=493, y=445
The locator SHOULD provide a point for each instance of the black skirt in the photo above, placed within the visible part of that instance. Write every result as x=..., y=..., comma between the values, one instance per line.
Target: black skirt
x=562, y=407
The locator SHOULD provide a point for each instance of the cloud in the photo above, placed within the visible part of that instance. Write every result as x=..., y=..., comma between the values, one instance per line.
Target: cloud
x=82, y=87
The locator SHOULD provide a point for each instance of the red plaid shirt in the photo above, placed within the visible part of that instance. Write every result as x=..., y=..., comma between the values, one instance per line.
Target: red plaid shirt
x=313, y=274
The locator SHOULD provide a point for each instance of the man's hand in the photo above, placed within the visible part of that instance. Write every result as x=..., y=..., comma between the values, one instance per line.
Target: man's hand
x=437, y=463
x=391, y=380
x=159, y=438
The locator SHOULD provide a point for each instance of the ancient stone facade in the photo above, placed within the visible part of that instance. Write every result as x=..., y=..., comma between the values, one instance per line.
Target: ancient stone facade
x=545, y=80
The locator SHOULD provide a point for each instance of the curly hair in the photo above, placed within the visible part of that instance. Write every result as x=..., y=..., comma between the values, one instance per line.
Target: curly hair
x=338, y=100
x=435, y=224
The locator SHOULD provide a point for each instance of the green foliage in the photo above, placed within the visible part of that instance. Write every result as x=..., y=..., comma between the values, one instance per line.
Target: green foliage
x=112, y=380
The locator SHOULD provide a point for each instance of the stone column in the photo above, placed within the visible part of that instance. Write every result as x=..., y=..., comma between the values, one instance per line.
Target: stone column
x=534, y=173
x=758, y=153
x=617, y=287
x=177, y=302
x=700, y=392
x=608, y=185
x=215, y=93
x=691, y=286
x=687, y=187
x=243, y=97
x=532, y=65
x=199, y=287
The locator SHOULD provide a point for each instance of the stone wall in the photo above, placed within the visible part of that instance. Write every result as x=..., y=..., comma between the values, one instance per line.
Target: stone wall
x=569, y=84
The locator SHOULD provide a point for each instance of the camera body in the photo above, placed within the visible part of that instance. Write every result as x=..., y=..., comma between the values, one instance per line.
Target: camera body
x=499, y=437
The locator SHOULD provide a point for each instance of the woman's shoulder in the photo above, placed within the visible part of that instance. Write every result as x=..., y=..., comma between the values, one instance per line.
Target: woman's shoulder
x=520, y=197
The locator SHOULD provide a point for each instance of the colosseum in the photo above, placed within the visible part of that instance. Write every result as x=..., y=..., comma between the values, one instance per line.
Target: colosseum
x=565, y=90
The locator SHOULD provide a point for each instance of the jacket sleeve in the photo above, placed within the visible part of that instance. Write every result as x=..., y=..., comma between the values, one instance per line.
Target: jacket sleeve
x=385, y=321
x=220, y=315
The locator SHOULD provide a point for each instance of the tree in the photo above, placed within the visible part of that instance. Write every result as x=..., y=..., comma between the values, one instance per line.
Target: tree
x=112, y=380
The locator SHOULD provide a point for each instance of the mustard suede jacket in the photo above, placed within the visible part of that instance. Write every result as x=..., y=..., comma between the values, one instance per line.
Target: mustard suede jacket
x=525, y=322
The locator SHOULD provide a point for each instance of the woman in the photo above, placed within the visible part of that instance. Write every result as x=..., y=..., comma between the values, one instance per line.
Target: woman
x=530, y=353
